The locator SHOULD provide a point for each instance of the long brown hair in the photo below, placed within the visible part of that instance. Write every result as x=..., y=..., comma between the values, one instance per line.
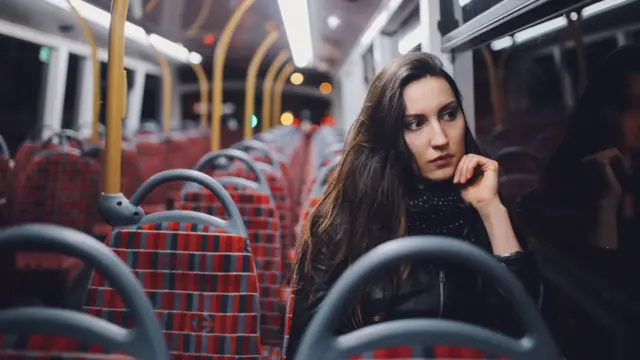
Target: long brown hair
x=365, y=202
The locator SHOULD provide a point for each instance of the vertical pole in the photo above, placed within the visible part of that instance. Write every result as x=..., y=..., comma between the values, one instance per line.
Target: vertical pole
x=117, y=87
x=203, y=84
x=267, y=88
x=167, y=85
x=252, y=74
x=219, y=56
x=278, y=88
x=97, y=95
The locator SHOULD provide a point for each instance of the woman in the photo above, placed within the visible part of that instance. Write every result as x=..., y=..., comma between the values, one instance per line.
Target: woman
x=410, y=167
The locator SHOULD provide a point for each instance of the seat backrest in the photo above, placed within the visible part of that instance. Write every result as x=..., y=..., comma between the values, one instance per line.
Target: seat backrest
x=263, y=231
x=202, y=284
x=60, y=187
x=282, y=201
x=5, y=189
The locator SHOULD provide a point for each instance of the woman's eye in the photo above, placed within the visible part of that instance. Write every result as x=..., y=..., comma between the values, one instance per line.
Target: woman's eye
x=413, y=124
x=450, y=114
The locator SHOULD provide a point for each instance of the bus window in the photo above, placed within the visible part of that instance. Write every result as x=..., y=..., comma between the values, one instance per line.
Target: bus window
x=563, y=89
x=71, y=93
x=22, y=70
x=151, y=99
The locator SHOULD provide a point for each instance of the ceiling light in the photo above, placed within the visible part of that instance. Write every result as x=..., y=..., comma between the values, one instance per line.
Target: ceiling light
x=502, y=43
x=333, y=21
x=601, y=6
x=286, y=118
x=378, y=23
x=325, y=88
x=295, y=15
x=195, y=58
x=101, y=18
x=169, y=48
x=540, y=29
x=296, y=78
x=410, y=40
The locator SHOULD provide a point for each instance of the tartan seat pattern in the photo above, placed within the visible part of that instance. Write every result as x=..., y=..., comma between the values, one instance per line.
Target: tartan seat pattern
x=266, y=250
x=203, y=286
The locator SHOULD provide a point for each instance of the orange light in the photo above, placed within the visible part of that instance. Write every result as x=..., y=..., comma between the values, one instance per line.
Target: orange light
x=209, y=39
x=296, y=78
x=326, y=88
x=327, y=121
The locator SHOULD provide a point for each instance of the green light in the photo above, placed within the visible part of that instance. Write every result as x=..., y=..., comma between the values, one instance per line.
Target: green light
x=45, y=54
x=254, y=121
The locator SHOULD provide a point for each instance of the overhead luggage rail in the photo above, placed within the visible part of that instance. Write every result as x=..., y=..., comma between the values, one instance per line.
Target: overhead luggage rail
x=503, y=19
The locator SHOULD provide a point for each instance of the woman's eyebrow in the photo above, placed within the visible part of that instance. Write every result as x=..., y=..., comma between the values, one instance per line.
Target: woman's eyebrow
x=449, y=105
x=415, y=116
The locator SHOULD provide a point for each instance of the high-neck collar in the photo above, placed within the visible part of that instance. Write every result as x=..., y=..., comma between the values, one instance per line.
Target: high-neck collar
x=422, y=185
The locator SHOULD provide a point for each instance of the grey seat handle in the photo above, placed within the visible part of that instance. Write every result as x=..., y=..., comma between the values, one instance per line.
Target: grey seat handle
x=259, y=146
x=319, y=341
x=318, y=186
x=210, y=158
x=145, y=341
x=234, y=224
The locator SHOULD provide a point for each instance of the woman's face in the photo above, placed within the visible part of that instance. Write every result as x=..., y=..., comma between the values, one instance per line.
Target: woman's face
x=433, y=127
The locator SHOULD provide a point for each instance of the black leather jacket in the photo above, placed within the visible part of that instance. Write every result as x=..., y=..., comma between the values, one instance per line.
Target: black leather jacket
x=431, y=290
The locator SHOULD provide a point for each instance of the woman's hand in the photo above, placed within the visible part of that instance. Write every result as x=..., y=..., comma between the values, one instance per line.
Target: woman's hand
x=479, y=179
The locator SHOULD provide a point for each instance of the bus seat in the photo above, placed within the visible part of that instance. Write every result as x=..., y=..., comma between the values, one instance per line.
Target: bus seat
x=5, y=189
x=263, y=228
x=281, y=198
x=60, y=187
x=203, y=286
x=152, y=154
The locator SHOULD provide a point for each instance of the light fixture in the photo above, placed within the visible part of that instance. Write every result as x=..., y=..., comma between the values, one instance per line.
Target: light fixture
x=286, y=118
x=101, y=18
x=333, y=22
x=295, y=15
x=169, y=48
x=296, y=78
x=325, y=88
x=554, y=24
x=601, y=6
x=378, y=23
x=195, y=58
x=410, y=40
x=97, y=16
x=502, y=43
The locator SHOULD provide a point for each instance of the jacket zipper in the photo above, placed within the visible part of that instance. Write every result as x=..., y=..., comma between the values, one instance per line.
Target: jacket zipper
x=441, y=285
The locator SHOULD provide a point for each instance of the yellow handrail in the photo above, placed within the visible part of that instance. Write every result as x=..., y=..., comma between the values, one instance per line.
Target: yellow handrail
x=202, y=17
x=252, y=74
x=278, y=88
x=117, y=86
x=151, y=5
x=267, y=87
x=203, y=84
x=97, y=94
x=219, y=56
x=167, y=88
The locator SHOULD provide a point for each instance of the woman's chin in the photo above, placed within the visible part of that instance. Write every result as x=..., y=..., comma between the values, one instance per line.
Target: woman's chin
x=440, y=175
